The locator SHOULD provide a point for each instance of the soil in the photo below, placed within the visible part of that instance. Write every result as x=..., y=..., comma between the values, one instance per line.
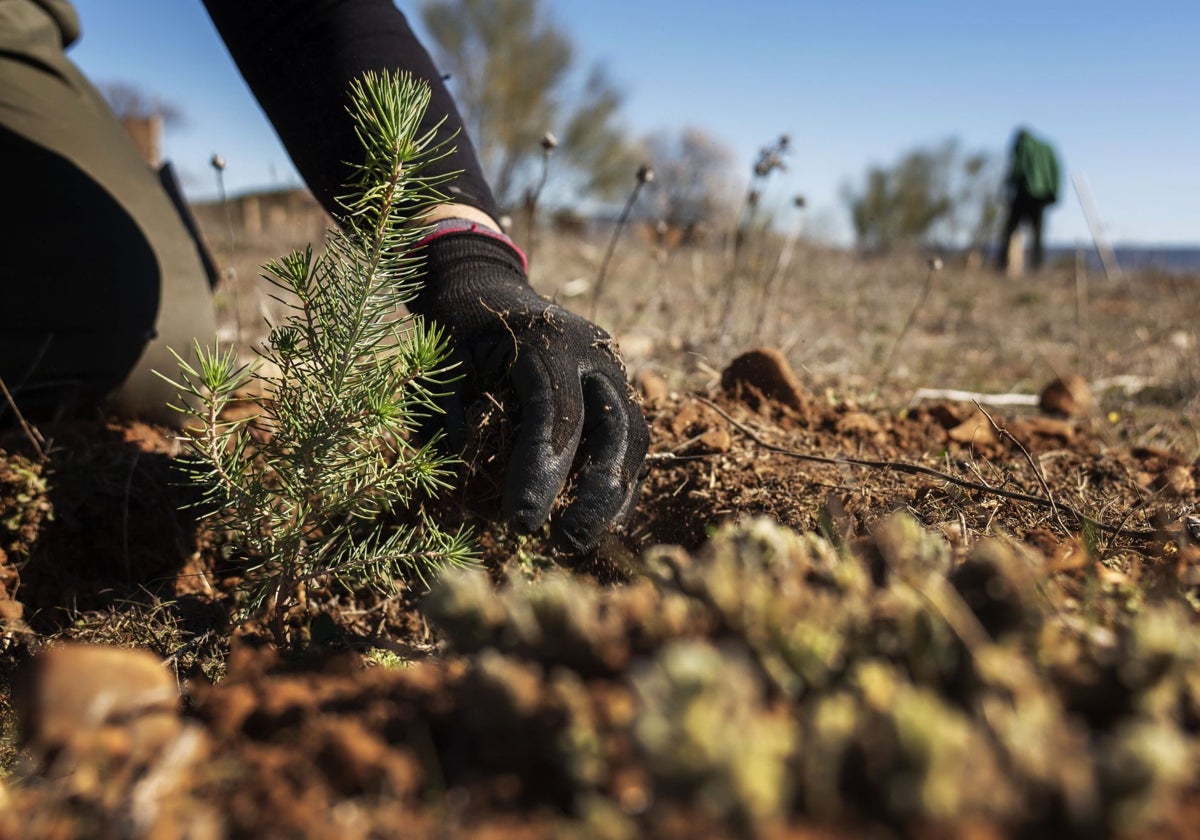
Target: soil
x=376, y=718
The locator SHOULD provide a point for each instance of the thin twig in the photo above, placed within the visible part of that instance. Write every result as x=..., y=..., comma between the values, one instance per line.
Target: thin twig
x=782, y=262
x=187, y=647
x=917, y=469
x=502, y=317
x=674, y=456
x=35, y=439
x=230, y=272
x=644, y=176
x=1082, y=325
x=548, y=145
x=1037, y=470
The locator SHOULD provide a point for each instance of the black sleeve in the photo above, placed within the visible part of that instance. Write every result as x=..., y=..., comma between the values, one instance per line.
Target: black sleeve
x=299, y=57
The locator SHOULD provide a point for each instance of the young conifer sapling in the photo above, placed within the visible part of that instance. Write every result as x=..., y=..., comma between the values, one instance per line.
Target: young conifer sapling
x=347, y=378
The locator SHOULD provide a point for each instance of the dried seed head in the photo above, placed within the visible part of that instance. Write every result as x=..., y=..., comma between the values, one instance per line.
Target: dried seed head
x=752, y=198
x=935, y=263
x=799, y=201
x=549, y=142
x=770, y=158
x=218, y=163
x=645, y=174
x=768, y=161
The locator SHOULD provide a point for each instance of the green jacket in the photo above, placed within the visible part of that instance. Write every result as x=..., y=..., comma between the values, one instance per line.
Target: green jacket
x=1034, y=171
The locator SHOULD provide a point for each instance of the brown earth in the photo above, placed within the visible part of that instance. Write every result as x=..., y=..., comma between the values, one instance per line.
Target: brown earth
x=446, y=715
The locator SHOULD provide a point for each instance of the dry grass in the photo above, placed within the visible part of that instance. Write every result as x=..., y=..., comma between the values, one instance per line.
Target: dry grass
x=834, y=315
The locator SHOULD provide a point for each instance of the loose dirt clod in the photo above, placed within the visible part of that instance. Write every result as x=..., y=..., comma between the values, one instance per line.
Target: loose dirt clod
x=650, y=385
x=1068, y=396
x=764, y=375
x=74, y=696
x=976, y=431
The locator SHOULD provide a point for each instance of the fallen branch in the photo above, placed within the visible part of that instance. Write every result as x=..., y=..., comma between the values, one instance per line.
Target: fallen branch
x=923, y=394
x=1129, y=385
x=917, y=469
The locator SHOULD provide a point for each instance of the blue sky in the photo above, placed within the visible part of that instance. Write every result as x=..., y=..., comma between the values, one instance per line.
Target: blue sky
x=1113, y=85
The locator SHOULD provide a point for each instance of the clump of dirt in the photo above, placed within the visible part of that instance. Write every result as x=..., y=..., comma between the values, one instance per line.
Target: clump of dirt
x=763, y=376
x=1067, y=396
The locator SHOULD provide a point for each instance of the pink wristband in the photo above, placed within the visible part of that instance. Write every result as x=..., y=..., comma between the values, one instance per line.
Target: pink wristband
x=447, y=227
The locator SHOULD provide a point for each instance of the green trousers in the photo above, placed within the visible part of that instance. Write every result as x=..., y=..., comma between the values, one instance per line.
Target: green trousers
x=99, y=275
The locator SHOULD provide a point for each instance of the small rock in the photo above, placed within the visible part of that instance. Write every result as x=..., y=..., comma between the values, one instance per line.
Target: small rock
x=687, y=419
x=1068, y=396
x=650, y=385
x=858, y=423
x=73, y=694
x=947, y=415
x=716, y=439
x=704, y=429
x=976, y=430
x=1176, y=481
x=1046, y=427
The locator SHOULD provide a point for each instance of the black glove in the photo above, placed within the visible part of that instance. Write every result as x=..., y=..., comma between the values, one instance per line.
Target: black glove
x=568, y=379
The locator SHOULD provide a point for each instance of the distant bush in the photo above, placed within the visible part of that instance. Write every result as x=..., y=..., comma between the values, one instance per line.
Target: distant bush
x=931, y=196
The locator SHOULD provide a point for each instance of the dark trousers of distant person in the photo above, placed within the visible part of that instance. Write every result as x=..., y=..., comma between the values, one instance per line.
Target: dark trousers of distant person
x=99, y=271
x=1023, y=209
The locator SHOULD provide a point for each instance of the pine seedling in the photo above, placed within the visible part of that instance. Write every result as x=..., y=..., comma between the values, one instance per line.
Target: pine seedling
x=347, y=378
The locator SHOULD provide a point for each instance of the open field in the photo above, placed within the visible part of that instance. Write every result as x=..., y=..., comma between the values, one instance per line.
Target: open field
x=842, y=608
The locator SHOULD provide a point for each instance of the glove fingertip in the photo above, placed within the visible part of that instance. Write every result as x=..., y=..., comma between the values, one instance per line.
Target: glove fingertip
x=529, y=495
x=577, y=539
x=527, y=520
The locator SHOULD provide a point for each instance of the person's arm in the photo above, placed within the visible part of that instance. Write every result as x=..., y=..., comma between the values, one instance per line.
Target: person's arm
x=300, y=56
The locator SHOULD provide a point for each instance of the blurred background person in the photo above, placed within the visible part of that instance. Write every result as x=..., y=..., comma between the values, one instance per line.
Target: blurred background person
x=1031, y=186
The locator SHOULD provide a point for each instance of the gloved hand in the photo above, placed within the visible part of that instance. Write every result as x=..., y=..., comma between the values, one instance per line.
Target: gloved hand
x=568, y=379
